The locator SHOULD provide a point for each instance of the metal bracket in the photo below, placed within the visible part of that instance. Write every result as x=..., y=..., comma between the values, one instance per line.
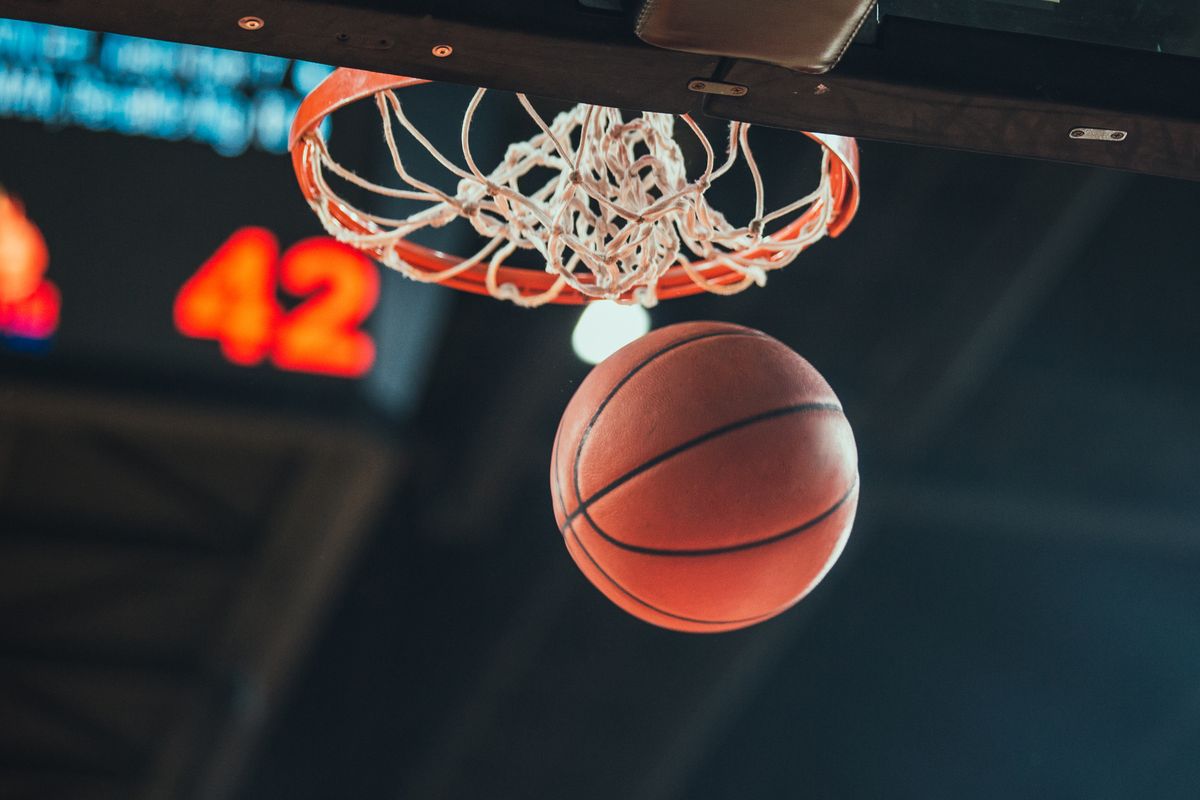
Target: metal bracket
x=1100, y=134
x=704, y=86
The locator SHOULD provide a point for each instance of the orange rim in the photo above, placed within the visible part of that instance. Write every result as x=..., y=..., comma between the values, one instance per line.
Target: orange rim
x=346, y=86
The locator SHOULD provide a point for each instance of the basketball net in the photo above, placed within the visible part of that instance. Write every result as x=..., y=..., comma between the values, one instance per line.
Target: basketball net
x=619, y=217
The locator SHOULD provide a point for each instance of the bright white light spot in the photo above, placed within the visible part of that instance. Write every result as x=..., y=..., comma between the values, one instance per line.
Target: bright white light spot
x=605, y=327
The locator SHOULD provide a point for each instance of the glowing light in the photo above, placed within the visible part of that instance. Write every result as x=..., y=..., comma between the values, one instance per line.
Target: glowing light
x=233, y=299
x=23, y=254
x=142, y=87
x=605, y=327
x=29, y=304
x=35, y=317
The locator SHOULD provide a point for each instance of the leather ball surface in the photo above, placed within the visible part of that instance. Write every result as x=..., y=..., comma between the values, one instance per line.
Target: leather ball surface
x=704, y=477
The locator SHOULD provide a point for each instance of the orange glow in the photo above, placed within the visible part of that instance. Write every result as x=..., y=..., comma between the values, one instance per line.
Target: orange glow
x=23, y=254
x=29, y=304
x=321, y=334
x=35, y=317
x=232, y=299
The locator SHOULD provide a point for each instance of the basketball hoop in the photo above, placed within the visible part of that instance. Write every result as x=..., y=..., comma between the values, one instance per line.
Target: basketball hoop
x=620, y=219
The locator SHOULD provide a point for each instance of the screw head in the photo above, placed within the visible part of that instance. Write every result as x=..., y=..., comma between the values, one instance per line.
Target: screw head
x=1118, y=135
x=1076, y=133
x=738, y=90
x=698, y=86
x=442, y=50
x=251, y=23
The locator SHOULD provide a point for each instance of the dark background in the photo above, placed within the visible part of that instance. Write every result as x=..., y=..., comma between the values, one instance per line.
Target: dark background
x=1014, y=615
x=221, y=582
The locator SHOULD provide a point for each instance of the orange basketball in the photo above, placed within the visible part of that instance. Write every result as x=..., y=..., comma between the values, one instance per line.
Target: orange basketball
x=704, y=477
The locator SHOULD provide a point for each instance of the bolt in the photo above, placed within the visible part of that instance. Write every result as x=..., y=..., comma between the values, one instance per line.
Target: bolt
x=1077, y=134
x=738, y=90
x=698, y=86
x=251, y=23
x=442, y=50
x=1118, y=135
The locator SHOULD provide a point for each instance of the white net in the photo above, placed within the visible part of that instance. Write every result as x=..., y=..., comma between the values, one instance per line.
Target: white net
x=618, y=211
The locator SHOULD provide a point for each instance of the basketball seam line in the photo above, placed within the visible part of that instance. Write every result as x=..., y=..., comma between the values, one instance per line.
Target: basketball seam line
x=582, y=510
x=617, y=585
x=587, y=431
x=558, y=495
x=699, y=440
x=732, y=548
x=654, y=608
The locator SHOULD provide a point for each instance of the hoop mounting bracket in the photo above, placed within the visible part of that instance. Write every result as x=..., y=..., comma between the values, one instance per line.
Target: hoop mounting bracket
x=705, y=86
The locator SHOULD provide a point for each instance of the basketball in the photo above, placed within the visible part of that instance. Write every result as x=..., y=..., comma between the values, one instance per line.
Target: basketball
x=704, y=477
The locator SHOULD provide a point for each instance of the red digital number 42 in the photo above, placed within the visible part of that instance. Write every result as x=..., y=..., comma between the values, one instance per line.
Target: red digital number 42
x=232, y=299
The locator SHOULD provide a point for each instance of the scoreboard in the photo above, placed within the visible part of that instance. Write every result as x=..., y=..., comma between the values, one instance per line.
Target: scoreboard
x=232, y=299
x=181, y=251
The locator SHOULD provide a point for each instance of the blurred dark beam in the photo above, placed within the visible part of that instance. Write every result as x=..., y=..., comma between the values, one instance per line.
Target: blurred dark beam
x=179, y=667
x=313, y=488
x=499, y=459
x=83, y=411
x=217, y=516
x=62, y=528
x=318, y=525
x=1019, y=262
x=58, y=767
x=1053, y=250
x=112, y=748
x=995, y=511
x=692, y=737
x=10, y=436
x=88, y=593
x=512, y=657
x=490, y=473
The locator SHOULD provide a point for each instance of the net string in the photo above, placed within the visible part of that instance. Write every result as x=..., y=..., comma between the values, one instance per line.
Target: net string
x=617, y=213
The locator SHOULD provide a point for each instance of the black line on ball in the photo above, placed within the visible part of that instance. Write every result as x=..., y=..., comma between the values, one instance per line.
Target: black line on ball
x=582, y=510
x=640, y=601
x=774, y=413
x=568, y=526
x=732, y=548
x=624, y=380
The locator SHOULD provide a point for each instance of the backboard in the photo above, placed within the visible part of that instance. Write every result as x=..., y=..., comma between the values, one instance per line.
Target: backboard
x=1096, y=82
